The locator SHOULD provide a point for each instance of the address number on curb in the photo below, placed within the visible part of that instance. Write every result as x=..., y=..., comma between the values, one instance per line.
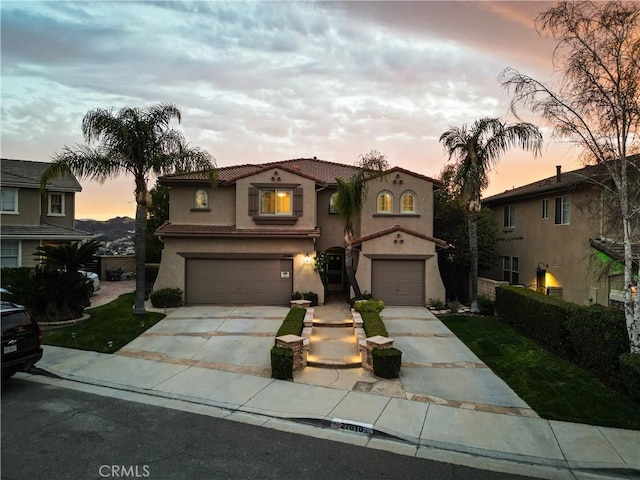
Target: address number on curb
x=352, y=426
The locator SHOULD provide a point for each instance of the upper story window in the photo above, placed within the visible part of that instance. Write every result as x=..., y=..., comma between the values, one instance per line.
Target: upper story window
x=563, y=210
x=545, y=209
x=275, y=201
x=9, y=200
x=408, y=202
x=56, y=204
x=509, y=216
x=201, y=199
x=333, y=208
x=385, y=202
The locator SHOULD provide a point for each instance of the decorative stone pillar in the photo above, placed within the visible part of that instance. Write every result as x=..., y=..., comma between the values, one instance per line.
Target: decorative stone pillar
x=296, y=345
x=374, y=342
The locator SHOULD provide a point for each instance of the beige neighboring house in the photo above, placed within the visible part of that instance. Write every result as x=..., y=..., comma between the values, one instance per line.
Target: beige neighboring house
x=30, y=219
x=253, y=239
x=557, y=235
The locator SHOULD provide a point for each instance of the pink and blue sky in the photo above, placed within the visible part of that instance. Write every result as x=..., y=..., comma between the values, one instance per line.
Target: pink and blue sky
x=265, y=81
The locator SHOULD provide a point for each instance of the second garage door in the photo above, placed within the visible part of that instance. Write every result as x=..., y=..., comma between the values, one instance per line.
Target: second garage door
x=239, y=281
x=398, y=282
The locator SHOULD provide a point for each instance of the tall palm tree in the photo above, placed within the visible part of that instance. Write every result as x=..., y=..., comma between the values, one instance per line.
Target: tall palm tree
x=351, y=194
x=476, y=150
x=136, y=142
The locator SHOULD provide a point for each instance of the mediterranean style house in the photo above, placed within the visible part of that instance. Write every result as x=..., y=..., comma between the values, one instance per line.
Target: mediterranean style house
x=560, y=236
x=30, y=218
x=255, y=236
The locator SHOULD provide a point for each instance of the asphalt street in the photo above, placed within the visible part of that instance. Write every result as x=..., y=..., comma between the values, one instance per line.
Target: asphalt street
x=56, y=433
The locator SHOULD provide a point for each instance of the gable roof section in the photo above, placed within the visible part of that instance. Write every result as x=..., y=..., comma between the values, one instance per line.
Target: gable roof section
x=320, y=171
x=230, y=231
x=26, y=174
x=398, y=228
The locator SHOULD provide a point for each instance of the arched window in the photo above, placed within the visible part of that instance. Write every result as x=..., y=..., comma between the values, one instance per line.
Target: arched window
x=385, y=202
x=408, y=202
x=201, y=199
x=332, y=203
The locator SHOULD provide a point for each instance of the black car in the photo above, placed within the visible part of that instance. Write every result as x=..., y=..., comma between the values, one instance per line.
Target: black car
x=21, y=339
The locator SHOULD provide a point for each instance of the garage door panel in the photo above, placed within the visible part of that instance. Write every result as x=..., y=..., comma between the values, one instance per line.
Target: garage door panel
x=239, y=281
x=398, y=282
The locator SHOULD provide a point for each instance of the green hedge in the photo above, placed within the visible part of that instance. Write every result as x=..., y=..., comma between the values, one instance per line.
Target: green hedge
x=370, y=305
x=281, y=363
x=486, y=306
x=594, y=336
x=292, y=323
x=373, y=325
x=630, y=368
x=166, y=297
x=599, y=336
x=538, y=316
x=387, y=362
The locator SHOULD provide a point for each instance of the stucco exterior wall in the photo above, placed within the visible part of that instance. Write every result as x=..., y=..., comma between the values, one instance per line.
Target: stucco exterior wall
x=276, y=177
x=221, y=209
x=332, y=228
x=564, y=248
x=66, y=220
x=397, y=183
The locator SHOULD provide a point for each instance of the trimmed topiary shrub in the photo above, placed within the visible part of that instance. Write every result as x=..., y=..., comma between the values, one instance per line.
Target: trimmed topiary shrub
x=166, y=298
x=371, y=305
x=486, y=306
x=312, y=297
x=365, y=296
x=292, y=323
x=373, y=325
x=630, y=369
x=281, y=363
x=386, y=362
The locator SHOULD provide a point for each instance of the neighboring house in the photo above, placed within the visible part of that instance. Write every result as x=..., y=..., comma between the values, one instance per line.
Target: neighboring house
x=254, y=238
x=559, y=235
x=30, y=218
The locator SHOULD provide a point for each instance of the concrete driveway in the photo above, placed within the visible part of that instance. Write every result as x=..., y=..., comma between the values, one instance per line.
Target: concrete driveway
x=436, y=368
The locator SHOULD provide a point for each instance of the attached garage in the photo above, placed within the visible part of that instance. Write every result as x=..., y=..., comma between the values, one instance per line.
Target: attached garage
x=398, y=282
x=239, y=281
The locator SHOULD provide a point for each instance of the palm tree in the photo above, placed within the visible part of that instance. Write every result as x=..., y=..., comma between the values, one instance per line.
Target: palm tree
x=476, y=151
x=136, y=142
x=351, y=194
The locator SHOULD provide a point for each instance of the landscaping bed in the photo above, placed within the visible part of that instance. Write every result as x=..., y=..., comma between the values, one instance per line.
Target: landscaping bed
x=555, y=388
x=113, y=322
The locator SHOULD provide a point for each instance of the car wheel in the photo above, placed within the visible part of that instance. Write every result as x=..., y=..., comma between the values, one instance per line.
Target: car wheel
x=91, y=290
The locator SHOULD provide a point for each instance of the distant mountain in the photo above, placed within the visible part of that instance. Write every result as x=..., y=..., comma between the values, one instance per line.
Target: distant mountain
x=108, y=230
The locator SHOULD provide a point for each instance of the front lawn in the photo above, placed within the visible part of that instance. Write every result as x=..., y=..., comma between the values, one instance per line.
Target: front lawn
x=113, y=322
x=555, y=388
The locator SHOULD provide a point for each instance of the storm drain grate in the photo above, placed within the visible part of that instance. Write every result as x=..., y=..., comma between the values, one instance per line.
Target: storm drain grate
x=362, y=386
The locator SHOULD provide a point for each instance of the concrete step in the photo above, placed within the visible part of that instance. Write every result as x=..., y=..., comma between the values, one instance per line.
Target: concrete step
x=336, y=363
x=332, y=324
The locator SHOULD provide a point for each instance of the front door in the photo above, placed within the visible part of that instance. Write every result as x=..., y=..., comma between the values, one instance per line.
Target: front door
x=335, y=271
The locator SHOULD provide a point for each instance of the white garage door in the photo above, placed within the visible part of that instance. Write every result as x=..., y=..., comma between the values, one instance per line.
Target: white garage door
x=398, y=282
x=239, y=281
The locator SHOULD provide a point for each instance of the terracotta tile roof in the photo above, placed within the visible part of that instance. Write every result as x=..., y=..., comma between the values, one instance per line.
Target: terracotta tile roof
x=180, y=230
x=398, y=228
x=26, y=174
x=320, y=171
x=589, y=175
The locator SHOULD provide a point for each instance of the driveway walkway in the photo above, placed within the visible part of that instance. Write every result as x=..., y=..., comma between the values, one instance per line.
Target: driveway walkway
x=437, y=367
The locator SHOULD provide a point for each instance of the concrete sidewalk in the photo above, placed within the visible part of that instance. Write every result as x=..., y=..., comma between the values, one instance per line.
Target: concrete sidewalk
x=499, y=442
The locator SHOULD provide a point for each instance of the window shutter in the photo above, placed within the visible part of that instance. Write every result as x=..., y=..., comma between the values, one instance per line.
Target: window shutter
x=297, y=202
x=253, y=202
x=558, y=219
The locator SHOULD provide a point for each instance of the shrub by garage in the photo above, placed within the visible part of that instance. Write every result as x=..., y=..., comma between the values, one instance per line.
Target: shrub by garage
x=166, y=298
x=386, y=362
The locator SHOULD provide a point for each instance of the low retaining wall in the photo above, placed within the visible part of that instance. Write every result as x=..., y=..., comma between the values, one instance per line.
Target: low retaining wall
x=487, y=287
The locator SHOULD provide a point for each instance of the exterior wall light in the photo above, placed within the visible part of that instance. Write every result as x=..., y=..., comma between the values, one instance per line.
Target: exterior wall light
x=307, y=258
